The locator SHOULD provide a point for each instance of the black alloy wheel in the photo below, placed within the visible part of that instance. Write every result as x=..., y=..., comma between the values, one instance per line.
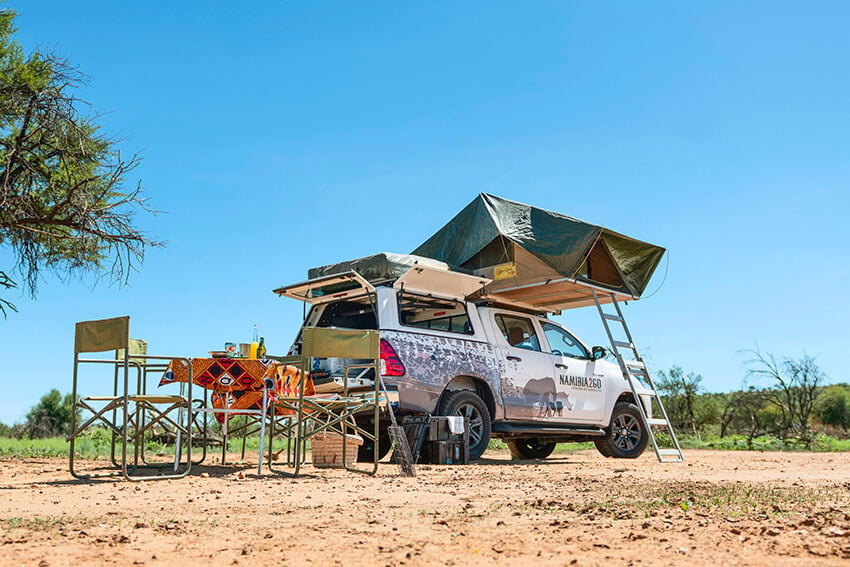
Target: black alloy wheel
x=627, y=437
x=468, y=404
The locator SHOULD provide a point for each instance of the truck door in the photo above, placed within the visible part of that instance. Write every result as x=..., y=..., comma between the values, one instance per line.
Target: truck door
x=528, y=379
x=580, y=388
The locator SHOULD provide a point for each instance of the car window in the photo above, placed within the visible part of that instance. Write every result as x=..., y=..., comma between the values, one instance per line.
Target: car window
x=562, y=343
x=518, y=331
x=433, y=313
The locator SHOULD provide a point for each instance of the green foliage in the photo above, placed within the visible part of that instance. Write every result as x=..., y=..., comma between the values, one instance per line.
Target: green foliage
x=833, y=406
x=62, y=203
x=820, y=443
x=680, y=397
x=50, y=417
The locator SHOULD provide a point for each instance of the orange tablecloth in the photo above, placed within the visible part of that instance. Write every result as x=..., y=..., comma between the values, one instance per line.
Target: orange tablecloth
x=238, y=383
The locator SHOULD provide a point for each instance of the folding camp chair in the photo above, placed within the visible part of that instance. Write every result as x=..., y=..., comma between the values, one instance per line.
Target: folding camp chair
x=317, y=413
x=127, y=412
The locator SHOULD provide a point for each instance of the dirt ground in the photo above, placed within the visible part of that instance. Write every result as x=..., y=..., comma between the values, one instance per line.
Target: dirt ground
x=732, y=508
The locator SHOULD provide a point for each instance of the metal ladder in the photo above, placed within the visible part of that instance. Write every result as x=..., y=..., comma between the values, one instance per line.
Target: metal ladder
x=633, y=370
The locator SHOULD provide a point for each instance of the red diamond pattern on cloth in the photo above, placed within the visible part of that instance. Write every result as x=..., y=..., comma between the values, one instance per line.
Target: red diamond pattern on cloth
x=222, y=374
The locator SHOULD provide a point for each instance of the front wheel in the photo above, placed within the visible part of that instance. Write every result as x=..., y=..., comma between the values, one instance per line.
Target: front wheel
x=468, y=404
x=529, y=448
x=627, y=436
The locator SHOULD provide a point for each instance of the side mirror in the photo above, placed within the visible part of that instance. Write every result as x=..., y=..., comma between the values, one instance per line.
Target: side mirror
x=599, y=352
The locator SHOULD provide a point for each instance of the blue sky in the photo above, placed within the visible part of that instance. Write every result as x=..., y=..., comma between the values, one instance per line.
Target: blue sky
x=280, y=137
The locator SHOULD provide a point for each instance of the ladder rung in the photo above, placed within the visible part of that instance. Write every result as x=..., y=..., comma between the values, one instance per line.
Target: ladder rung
x=637, y=371
x=657, y=421
x=635, y=364
x=669, y=453
x=622, y=344
x=613, y=317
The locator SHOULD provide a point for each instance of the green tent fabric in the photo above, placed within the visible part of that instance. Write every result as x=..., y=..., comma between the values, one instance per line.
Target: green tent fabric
x=383, y=266
x=540, y=246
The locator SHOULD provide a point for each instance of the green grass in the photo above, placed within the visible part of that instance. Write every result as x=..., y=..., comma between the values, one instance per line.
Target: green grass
x=822, y=443
x=96, y=445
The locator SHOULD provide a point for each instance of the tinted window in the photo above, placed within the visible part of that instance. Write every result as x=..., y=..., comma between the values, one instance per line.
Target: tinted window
x=518, y=331
x=562, y=343
x=348, y=315
x=433, y=313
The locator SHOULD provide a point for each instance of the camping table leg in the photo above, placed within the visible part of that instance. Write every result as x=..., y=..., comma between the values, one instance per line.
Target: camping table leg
x=268, y=383
x=224, y=438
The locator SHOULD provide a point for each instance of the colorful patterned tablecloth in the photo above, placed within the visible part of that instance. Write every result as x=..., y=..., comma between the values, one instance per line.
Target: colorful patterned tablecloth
x=238, y=383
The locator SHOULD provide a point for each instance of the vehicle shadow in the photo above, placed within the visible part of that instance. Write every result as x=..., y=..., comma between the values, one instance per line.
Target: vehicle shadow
x=556, y=460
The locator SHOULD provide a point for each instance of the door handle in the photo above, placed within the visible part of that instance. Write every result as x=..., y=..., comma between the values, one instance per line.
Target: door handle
x=515, y=358
x=559, y=365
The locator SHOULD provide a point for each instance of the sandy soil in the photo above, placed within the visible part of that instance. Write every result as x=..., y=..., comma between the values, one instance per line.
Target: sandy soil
x=732, y=508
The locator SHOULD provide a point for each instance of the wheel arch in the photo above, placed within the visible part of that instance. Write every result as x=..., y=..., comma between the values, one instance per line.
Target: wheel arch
x=626, y=397
x=471, y=384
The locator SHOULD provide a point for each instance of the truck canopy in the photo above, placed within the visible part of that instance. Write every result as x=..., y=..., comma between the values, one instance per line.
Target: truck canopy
x=355, y=278
x=541, y=259
x=382, y=267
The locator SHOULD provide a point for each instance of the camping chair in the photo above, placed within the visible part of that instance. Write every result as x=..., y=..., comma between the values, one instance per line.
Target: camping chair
x=314, y=414
x=164, y=430
x=129, y=413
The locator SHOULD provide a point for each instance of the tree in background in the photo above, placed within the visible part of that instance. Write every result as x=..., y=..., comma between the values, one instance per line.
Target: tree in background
x=833, y=406
x=795, y=387
x=63, y=204
x=680, y=391
x=50, y=417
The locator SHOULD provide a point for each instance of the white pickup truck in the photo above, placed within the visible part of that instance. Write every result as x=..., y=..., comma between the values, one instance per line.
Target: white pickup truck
x=515, y=374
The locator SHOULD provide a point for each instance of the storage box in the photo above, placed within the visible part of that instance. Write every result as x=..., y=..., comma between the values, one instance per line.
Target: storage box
x=327, y=449
x=448, y=452
x=445, y=447
x=432, y=441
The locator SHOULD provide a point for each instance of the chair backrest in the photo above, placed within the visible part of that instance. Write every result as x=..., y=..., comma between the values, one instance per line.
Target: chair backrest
x=102, y=335
x=328, y=342
x=137, y=347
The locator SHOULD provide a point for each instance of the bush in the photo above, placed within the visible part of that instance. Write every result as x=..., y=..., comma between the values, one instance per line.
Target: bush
x=833, y=406
x=50, y=417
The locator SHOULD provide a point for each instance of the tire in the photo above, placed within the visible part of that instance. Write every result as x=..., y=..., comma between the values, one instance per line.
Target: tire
x=366, y=451
x=627, y=436
x=469, y=404
x=529, y=448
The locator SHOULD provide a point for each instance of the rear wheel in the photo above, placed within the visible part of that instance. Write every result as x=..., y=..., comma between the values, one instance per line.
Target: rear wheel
x=468, y=404
x=627, y=437
x=529, y=448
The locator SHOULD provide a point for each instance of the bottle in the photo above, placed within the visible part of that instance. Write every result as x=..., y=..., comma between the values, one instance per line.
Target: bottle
x=253, y=352
x=261, y=348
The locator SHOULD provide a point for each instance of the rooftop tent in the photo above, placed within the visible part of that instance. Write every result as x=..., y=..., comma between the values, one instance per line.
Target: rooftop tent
x=541, y=259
